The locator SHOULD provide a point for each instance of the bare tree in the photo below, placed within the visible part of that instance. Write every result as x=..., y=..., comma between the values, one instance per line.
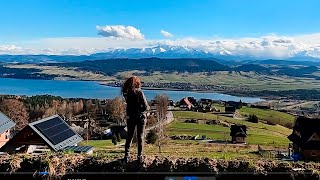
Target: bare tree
x=91, y=109
x=61, y=109
x=161, y=101
x=116, y=110
x=15, y=110
x=69, y=110
x=49, y=112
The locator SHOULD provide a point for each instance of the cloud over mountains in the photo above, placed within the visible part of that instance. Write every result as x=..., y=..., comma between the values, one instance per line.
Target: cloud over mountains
x=121, y=32
x=166, y=34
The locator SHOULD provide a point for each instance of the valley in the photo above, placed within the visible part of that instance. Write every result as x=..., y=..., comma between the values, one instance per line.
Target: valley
x=294, y=79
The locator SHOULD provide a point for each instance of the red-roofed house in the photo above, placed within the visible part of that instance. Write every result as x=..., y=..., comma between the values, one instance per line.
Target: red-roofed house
x=185, y=104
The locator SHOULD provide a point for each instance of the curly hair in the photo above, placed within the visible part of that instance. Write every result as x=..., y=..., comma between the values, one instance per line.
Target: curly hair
x=130, y=84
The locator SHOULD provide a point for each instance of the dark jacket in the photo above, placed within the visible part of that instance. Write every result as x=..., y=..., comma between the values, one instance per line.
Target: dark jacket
x=136, y=103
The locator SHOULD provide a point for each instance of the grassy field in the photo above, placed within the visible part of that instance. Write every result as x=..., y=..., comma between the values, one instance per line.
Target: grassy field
x=269, y=137
x=258, y=133
x=176, y=148
x=101, y=143
x=250, y=80
x=273, y=116
x=219, y=107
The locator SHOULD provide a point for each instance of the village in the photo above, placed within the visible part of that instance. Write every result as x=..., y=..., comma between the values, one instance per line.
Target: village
x=224, y=123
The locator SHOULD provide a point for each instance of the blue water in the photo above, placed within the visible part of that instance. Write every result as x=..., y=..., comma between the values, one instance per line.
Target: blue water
x=90, y=89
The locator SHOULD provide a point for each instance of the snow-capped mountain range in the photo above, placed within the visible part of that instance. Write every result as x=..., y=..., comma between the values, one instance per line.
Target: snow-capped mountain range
x=159, y=51
x=167, y=51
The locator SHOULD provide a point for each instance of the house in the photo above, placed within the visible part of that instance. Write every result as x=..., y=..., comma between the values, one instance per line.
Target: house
x=205, y=101
x=238, y=133
x=5, y=128
x=185, y=104
x=305, y=138
x=193, y=101
x=236, y=104
x=48, y=134
x=171, y=103
x=230, y=109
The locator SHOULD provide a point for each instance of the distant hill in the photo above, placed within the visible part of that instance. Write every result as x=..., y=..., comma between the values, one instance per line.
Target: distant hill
x=253, y=67
x=191, y=65
x=112, y=66
x=284, y=62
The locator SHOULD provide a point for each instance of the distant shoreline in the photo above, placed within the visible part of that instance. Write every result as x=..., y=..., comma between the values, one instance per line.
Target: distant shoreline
x=171, y=89
x=265, y=95
x=196, y=91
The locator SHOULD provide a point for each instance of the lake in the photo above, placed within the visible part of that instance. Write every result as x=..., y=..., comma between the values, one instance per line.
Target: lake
x=91, y=89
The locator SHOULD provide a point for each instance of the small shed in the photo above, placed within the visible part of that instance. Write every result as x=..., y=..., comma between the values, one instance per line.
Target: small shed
x=230, y=109
x=238, y=133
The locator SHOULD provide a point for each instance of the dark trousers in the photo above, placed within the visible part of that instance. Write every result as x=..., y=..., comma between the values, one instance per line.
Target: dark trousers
x=132, y=123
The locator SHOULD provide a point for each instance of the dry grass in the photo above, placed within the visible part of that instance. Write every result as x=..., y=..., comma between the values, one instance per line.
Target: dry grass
x=58, y=165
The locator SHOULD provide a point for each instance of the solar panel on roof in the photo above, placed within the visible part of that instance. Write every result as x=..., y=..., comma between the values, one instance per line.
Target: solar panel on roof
x=55, y=130
x=5, y=123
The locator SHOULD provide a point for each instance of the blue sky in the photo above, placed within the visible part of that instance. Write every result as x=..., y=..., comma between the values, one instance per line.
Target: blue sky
x=195, y=18
x=267, y=28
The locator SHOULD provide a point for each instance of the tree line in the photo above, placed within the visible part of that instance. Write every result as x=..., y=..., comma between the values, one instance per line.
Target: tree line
x=26, y=109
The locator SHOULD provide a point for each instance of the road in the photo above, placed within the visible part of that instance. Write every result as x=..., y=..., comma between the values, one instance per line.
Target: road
x=168, y=120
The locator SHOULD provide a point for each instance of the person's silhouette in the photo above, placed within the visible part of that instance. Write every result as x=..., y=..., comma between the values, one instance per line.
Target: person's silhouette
x=136, y=107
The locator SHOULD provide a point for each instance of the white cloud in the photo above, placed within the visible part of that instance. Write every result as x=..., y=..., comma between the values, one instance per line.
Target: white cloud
x=270, y=46
x=120, y=32
x=166, y=34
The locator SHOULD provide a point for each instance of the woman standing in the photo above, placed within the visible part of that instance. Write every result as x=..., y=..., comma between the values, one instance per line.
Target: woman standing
x=137, y=106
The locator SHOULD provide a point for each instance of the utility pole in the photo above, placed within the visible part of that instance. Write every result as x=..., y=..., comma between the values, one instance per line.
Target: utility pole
x=87, y=124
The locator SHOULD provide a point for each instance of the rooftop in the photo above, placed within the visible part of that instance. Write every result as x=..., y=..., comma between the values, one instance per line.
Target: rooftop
x=5, y=123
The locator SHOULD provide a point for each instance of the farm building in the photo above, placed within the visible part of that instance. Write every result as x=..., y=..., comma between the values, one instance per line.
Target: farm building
x=305, y=138
x=5, y=128
x=238, y=133
x=48, y=134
